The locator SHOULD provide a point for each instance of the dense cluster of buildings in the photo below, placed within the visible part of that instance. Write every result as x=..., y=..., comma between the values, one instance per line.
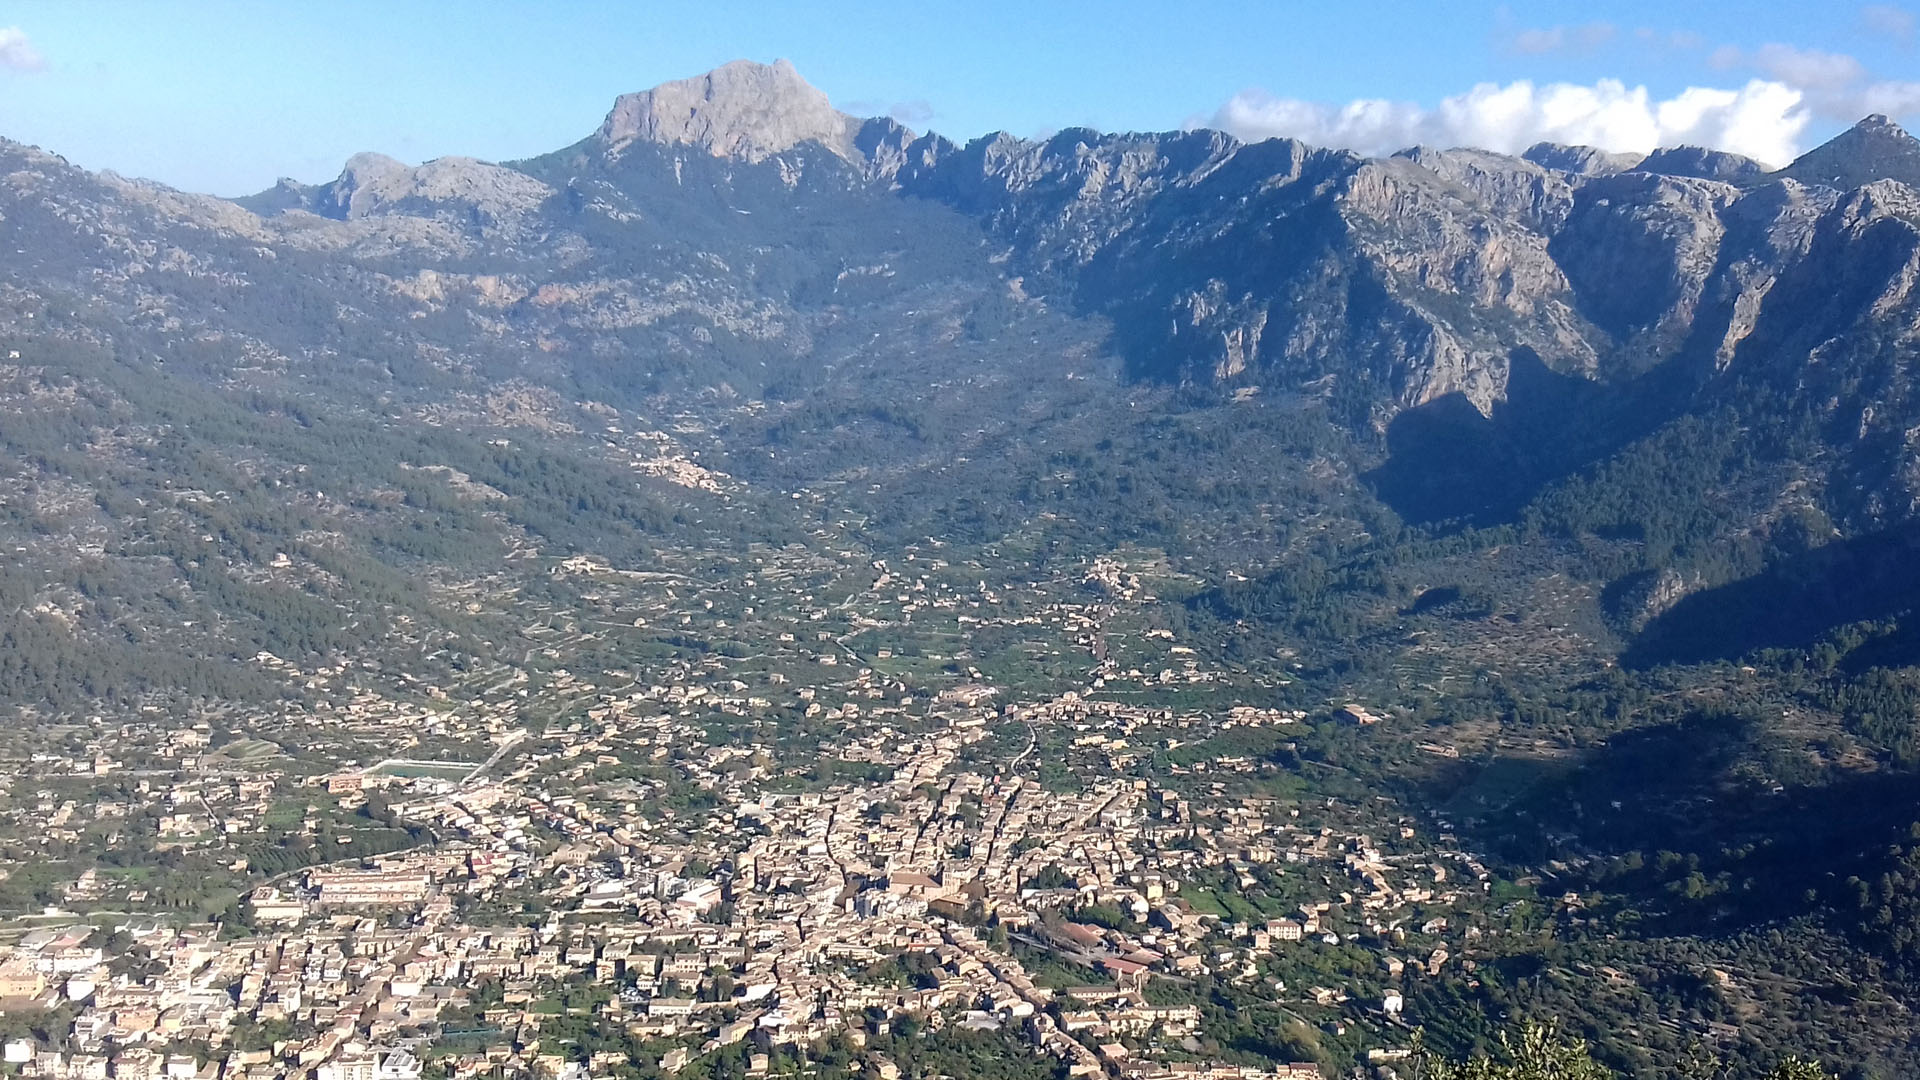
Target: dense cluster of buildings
x=669, y=862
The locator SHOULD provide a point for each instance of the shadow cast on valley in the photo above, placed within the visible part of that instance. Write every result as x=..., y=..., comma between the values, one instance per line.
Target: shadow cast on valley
x=1446, y=462
x=1792, y=604
x=1677, y=800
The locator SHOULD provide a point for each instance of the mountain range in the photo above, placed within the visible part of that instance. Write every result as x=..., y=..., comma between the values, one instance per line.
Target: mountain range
x=1278, y=264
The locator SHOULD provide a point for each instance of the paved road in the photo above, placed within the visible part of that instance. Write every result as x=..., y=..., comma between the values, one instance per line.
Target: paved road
x=480, y=769
x=1033, y=740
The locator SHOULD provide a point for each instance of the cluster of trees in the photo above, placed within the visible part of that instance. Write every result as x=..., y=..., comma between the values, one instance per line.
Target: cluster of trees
x=1880, y=705
x=300, y=851
x=1887, y=906
x=1539, y=1052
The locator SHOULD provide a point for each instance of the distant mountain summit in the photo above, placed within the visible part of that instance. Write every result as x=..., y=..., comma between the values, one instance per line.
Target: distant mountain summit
x=375, y=184
x=1698, y=162
x=740, y=110
x=1702, y=163
x=1876, y=148
x=1580, y=160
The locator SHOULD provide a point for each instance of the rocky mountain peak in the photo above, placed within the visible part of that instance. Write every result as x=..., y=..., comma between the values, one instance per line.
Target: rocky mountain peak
x=361, y=179
x=1876, y=148
x=1883, y=125
x=375, y=185
x=1580, y=160
x=741, y=110
x=1702, y=163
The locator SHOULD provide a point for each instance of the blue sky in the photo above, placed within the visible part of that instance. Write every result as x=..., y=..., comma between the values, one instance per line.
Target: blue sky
x=220, y=96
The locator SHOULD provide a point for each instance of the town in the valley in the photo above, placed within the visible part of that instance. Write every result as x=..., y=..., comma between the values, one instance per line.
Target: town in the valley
x=846, y=851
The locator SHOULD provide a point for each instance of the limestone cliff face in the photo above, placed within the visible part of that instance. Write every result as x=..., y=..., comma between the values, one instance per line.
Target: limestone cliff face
x=1516, y=189
x=1639, y=249
x=1418, y=276
x=1283, y=265
x=373, y=184
x=449, y=205
x=1580, y=160
x=1475, y=280
x=1702, y=164
x=742, y=109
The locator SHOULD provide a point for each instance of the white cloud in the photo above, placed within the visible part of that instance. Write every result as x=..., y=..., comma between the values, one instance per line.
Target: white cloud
x=1537, y=41
x=1838, y=88
x=1763, y=119
x=1787, y=89
x=911, y=113
x=1888, y=21
x=17, y=53
x=1893, y=98
x=907, y=113
x=1810, y=69
x=1676, y=40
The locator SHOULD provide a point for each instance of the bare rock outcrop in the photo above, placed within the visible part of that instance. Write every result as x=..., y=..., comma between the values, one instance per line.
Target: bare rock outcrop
x=741, y=110
x=374, y=184
x=1580, y=160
